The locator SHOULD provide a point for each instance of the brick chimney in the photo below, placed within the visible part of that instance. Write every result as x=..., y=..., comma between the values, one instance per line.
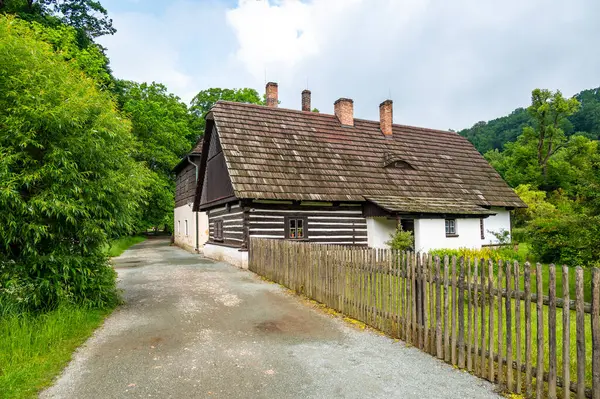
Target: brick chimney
x=344, y=110
x=386, y=117
x=272, y=96
x=306, y=100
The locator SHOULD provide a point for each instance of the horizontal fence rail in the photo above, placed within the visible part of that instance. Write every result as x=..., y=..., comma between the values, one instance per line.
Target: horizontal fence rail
x=478, y=315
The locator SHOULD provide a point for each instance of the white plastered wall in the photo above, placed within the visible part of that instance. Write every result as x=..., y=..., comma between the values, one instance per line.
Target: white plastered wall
x=379, y=230
x=188, y=241
x=227, y=254
x=496, y=223
x=431, y=233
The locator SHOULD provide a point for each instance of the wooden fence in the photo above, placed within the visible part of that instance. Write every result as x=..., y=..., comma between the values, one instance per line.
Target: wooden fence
x=478, y=315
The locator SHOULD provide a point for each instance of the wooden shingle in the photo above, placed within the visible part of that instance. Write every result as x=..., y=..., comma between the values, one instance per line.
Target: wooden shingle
x=275, y=153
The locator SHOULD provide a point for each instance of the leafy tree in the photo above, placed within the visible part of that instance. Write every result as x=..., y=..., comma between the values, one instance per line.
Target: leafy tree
x=549, y=110
x=63, y=39
x=164, y=128
x=68, y=179
x=205, y=99
x=88, y=17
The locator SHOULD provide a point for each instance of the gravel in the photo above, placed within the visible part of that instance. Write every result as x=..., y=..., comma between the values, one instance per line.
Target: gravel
x=194, y=328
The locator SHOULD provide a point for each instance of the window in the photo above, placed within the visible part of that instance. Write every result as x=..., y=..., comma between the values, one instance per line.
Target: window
x=296, y=228
x=187, y=231
x=218, y=230
x=179, y=227
x=451, y=228
x=481, y=229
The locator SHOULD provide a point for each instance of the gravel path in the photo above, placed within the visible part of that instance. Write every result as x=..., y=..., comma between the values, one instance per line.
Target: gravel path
x=194, y=328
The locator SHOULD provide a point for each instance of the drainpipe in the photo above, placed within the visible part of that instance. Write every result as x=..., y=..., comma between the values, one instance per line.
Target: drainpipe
x=197, y=233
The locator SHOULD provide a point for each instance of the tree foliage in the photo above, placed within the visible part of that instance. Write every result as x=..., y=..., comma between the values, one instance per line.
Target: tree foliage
x=558, y=177
x=68, y=178
x=164, y=128
x=88, y=17
x=205, y=99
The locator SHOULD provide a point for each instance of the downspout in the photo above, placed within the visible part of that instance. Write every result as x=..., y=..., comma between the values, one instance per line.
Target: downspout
x=197, y=231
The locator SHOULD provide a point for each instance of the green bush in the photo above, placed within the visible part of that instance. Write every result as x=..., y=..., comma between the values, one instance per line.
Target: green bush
x=401, y=240
x=68, y=180
x=506, y=253
x=566, y=239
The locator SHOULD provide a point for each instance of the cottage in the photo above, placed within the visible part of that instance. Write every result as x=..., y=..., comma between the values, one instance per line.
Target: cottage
x=334, y=179
x=191, y=228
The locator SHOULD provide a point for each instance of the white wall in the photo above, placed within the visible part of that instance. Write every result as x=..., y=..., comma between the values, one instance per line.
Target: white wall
x=495, y=223
x=188, y=242
x=431, y=233
x=379, y=230
x=227, y=254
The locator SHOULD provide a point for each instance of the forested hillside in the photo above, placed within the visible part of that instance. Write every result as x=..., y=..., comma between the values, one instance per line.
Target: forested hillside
x=494, y=134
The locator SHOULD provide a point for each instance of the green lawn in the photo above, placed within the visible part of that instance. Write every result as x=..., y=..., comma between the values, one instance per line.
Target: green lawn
x=118, y=246
x=35, y=348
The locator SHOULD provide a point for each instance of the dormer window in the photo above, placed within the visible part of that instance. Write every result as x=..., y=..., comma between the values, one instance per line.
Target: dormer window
x=402, y=165
x=396, y=162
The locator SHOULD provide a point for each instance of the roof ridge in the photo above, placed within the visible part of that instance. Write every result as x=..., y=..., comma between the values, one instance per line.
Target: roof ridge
x=300, y=112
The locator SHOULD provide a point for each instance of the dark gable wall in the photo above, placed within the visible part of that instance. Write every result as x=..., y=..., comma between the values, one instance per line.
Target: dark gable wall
x=217, y=184
x=232, y=216
x=185, y=185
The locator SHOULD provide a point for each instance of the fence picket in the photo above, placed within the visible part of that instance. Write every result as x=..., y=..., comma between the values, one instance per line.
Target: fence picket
x=414, y=292
x=483, y=326
x=425, y=290
x=528, y=364
x=469, y=319
x=407, y=304
x=566, y=336
x=508, y=303
x=580, y=331
x=539, y=281
x=552, y=333
x=431, y=290
x=499, y=282
x=517, y=276
x=460, y=303
x=491, y=321
x=454, y=308
x=446, y=309
x=438, y=309
x=477, y=359
x=595, y=333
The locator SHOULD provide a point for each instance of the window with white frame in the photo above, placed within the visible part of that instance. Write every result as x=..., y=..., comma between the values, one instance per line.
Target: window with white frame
x=187, y=231
x=179, y=227
x=451, y=228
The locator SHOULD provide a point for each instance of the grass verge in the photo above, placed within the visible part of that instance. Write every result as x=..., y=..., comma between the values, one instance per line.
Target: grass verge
x=118, y=246
x=35, y=348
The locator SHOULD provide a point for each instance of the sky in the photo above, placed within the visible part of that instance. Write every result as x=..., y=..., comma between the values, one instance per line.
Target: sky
x=445, y=64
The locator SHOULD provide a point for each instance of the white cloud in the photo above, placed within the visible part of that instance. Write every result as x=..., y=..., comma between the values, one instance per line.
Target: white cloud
x=446, y=64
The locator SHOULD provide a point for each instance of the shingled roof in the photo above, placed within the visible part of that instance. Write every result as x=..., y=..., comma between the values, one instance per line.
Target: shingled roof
x=275, y=153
